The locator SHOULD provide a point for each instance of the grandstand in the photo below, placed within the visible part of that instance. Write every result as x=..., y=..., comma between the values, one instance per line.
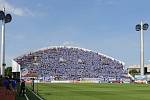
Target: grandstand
x=63, y=63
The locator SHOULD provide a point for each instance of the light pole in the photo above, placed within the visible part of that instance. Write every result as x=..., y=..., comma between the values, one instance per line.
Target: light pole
x=36, y=63
x=141, y=27
x=6, y=18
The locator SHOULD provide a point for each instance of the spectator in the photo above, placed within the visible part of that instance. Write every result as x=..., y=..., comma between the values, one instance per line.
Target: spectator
x=22, y=88
x=67, y=63
x=1, y=81
x=14, y=84
x=6, y=83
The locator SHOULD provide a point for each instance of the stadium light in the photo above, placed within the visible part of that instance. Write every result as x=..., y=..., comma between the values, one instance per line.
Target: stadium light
x=141, y=27
x=36, y=63
x=6, y=18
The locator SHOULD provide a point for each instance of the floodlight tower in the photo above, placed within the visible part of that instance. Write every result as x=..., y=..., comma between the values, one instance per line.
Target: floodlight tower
x=6, y=18
x=37, y=64
x=141, y=27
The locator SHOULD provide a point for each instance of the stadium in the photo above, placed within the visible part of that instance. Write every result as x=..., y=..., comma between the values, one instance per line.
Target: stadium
x=73, y=73
x=91, y=76
x=69, y=64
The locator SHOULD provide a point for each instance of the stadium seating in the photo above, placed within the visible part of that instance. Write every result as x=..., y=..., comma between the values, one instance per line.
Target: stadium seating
x=70, y=63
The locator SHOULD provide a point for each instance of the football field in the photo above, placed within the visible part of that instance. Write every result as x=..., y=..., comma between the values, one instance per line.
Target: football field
x=94, y=91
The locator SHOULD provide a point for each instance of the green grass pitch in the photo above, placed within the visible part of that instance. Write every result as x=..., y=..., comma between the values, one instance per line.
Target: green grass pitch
x=94, y=91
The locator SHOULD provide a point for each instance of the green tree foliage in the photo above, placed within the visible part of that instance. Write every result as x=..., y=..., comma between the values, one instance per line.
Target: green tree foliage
x=8, y=71
x=133, y=72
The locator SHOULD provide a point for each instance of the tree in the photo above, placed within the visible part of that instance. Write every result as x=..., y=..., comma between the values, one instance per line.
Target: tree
x=8, y=71
x=133, y=72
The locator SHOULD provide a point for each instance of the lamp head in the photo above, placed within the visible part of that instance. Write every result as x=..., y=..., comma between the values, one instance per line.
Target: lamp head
x=145, y=26
x=138, y=27
x=2, y=15
x=8, y=18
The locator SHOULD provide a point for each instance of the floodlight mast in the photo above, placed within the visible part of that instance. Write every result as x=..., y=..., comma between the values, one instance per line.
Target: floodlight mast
x=2, y=63
x=142, y=49
x=141, y=27
x=5, y=19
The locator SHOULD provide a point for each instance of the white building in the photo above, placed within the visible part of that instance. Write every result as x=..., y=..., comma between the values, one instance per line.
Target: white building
x=137, y=67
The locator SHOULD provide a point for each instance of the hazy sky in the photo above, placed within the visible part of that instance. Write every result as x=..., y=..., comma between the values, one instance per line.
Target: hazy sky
x=105, y=26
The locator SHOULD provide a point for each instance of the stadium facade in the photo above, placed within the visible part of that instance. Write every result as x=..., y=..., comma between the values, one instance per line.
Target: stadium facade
x=137, y=68
x=68, y=63
x=137, y=76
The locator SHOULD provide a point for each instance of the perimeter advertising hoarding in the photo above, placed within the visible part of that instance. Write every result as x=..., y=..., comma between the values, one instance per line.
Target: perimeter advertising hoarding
x=140, y=79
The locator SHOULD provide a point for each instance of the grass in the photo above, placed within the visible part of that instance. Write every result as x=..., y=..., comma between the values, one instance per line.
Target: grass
x=17, y=94
x=29, y=94
x=91, y=92
x=94, y=91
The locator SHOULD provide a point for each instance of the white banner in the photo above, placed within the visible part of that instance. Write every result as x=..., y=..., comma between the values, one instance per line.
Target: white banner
x=15, y=66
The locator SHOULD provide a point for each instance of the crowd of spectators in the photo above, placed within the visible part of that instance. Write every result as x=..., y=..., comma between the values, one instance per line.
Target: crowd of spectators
x=8, y=83
x=69, y=63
